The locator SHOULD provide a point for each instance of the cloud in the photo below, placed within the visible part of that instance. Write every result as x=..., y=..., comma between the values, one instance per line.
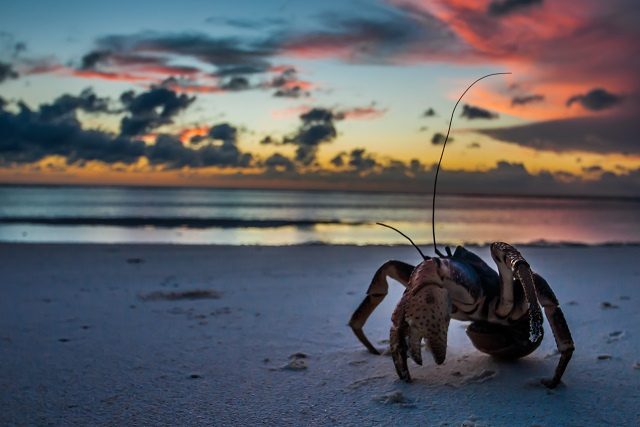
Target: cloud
x=293, y=92
x=506, y=7
x=362, y=113
x=227, y=54
x=69, y=104
x=169, y=152
x=338, y=160
x=471, y=112
x=526, y=99
x=288, y=84
x=278, y=162
x=224, y=132
x=550, y=47
x=189, y=86
x=379, y=35
x=7, y=72
x=235, y=83
x=592, y=169
x=429, y=113
x=150, y=110
x=247, y=24
x=610, y=134
x=321, y=115
x=244, y=69
x=317, y=127
x=92, y=59
x=596, y=100
x=438, y=138
x=28, y=136
x=267, y=140
x=361, y=161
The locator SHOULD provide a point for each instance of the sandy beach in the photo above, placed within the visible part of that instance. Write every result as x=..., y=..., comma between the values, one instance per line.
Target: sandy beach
x=223, y=335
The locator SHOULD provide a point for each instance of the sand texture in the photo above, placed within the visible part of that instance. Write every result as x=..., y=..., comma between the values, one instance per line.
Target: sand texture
x=213, y=335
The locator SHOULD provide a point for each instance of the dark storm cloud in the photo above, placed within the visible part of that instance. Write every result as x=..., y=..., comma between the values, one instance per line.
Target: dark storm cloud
x=169, y=152
x=279, y=162
x=596, y=100
x=28, y=136
x=471, y=112
x=224, y=132
x=338, y=160
x=506, y=7
x=151, y=109
x=513, y=178
x=361, y=160
x=317, y=127
x=68, y=104
x=526, y=99
x=321, y=115
x=7, y=72
x=594, y=134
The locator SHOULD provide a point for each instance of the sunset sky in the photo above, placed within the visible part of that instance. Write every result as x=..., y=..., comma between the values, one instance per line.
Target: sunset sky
x=336, y=94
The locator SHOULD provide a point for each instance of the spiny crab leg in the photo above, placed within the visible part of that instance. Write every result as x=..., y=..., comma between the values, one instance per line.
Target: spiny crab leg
x=378, y=289
x=537, y=289
x=559, y=327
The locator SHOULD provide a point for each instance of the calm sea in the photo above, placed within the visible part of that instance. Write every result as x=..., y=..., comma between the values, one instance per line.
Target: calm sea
x=284, y=217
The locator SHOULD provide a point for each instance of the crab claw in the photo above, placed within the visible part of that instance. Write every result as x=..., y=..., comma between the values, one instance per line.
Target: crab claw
x=422, y=314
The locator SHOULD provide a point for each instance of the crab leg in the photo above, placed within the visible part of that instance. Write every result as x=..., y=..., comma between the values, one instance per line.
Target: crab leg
x=378, y=289
x=537, y=289
x=511, y=263
x=559, y=327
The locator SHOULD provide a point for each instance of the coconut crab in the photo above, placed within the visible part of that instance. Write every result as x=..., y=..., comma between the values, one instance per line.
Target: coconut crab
x=503, y=307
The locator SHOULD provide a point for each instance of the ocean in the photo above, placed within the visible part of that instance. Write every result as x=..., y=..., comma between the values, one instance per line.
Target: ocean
x=64, y=214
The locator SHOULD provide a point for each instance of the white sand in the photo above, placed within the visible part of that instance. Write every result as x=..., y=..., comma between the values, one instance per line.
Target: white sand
x=78, y=346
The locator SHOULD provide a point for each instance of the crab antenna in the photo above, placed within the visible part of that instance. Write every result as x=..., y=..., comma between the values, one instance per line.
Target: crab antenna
x=435, y=181
x=406, y=237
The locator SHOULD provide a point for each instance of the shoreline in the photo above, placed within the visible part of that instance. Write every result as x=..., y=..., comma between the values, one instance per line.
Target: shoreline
x=107, y=334
x=540, y=244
